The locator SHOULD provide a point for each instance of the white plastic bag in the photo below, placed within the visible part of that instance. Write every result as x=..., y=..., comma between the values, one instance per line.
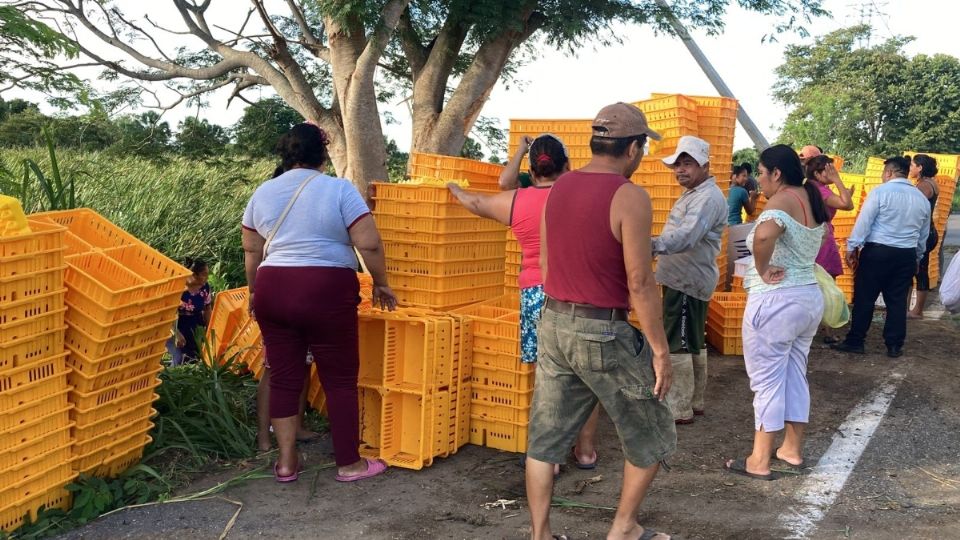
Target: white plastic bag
x=950, y=286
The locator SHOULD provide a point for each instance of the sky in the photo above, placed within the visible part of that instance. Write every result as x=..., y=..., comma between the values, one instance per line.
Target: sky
x=554, y=85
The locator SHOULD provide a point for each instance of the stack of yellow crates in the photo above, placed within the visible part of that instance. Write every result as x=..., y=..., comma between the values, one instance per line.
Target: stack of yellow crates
x=480, y=175
x=122, y=299
x=512, y=268
x=575, y=135
x=502, y=386
x=35, y=439
x=414, y=384
x=439, y=255
x=725, y=322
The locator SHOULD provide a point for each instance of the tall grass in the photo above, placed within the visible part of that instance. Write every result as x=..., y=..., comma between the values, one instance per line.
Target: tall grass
x=181, y=207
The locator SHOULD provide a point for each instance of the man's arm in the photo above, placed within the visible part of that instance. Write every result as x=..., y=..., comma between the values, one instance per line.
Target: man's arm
x=632, y=211
x=684, y=236
x=864, y=224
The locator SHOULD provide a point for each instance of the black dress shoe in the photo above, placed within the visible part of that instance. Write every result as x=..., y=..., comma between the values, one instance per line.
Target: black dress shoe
x=894, y=351
x=843, y=346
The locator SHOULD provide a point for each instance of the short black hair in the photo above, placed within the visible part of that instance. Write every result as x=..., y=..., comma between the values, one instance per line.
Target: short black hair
x=737, y=169
x=928, y=165
x=614, y=147
x=195, y=265
x=748, y=167
x=898, y=164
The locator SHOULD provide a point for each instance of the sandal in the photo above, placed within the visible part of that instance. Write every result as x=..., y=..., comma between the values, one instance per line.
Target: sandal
x=285, y=479
x=739, y=466
x=374, y=467
x=648, y=534
x=580, y=464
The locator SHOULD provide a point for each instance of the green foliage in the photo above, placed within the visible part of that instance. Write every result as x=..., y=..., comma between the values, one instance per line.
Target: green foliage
x=200, y=139
x=183, y=208
x=58, y=190
x=142, y=135
x=206, y=412
x=28, y=49
x=262, y=123
x=858, y=101
x=396, y=161
x=471, y=149
x=746, y=155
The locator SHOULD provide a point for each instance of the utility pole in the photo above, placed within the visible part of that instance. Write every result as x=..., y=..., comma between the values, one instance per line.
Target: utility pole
x=759, y=141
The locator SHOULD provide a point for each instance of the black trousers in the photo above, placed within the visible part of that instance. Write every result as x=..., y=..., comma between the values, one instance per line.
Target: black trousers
x=888, y=271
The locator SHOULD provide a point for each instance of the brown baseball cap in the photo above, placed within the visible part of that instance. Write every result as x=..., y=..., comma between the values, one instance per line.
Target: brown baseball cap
x=622, y=120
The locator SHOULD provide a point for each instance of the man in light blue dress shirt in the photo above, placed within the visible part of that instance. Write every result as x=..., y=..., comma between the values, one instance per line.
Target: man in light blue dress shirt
x=884, y=249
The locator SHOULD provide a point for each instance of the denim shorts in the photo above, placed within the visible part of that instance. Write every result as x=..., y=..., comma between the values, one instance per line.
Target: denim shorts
x=584, y=361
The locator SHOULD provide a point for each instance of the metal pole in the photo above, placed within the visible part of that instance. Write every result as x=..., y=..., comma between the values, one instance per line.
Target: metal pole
x=758, y=139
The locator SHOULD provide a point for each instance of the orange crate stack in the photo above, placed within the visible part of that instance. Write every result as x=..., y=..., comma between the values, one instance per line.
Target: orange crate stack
x=724, y=322
x=436, y=257
x=512, y=265
x=122, y=297
x=479, y=174
x=35, y=427
x=414, y=384
x=502, y=385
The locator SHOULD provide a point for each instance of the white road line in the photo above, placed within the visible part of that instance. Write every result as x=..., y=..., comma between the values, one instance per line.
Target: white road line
x=821, y=488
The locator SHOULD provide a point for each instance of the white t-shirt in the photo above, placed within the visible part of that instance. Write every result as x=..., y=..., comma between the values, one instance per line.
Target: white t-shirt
x=315, y=232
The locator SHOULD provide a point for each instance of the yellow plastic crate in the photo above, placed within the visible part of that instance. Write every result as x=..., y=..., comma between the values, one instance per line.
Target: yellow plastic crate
x=98, y=330
x=78, y=340
x=13, y=381
x=90, y=228
x=35, y=392
x=142, y=383
x=422, y=209
x=121, y=425
x=111, y=314
x=514, y=380
x=230, y=311
x=501, y=435
x=441, y=284
x=39, y=481
x=404, y=429
x=141, y=400
x=104, y=280
x=409, y=236
x=725, y=344
x=444, y=252
x=430, y=270
x=55, y=496
x=31, y=262
x=32, y=326
x=90, y=367
x=92, y=383
x=162, y=276
x=17, y=456
x=12, y=419
x=436, y=225
x=35, y=429
x=35, y=464
x=45, y=237
x=34, y=306
x=558, y=127
x=118, y=463
x=447, y=300
x=499, y=396
x=97, y=462
x=17, y=288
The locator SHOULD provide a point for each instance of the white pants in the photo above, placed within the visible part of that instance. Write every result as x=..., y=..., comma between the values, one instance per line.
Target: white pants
x=778, y=328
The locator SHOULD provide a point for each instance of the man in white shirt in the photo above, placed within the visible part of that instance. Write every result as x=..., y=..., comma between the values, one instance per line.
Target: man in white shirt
x=884, y=249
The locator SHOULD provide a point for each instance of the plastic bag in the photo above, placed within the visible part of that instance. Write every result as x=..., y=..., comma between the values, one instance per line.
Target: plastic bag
x=950, y=286
x=836, y=312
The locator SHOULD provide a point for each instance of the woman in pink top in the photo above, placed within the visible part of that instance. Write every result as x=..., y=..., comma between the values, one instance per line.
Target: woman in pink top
x=521, y=209
x=820, y=171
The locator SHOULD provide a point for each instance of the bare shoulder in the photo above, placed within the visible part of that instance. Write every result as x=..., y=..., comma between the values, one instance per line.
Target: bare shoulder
x=631, y=192
x=780, y=201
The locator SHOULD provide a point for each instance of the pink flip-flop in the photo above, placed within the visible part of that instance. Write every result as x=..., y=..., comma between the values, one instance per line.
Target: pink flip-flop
x=374, y=467
x=285, y=479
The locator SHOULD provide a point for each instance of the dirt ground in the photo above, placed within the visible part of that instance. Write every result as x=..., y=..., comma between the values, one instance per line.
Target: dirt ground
x=906, y=484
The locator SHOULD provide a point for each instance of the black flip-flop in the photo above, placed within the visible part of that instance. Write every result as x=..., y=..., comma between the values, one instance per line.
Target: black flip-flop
x=787, y=466
x=739, y=466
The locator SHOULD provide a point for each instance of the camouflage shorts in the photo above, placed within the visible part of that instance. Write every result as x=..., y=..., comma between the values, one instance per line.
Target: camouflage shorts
x=582, y=361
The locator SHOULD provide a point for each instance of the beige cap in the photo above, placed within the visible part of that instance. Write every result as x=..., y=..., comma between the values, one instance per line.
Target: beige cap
x=694, y=147
x=622, y=120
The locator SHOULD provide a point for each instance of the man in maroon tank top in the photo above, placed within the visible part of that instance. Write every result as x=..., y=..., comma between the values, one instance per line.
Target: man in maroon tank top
x=595, y=258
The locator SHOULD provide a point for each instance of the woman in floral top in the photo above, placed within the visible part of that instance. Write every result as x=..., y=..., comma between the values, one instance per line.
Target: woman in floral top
x=194, y=311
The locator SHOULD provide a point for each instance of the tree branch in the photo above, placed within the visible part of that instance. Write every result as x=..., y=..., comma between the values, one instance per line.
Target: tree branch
x=412, y=44
x=378, y=41
x=311, y=42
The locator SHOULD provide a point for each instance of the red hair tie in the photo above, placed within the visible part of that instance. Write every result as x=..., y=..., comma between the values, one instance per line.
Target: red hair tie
x=544, y=158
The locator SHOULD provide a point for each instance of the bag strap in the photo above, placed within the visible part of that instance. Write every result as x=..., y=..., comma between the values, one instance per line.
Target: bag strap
x=283, y=215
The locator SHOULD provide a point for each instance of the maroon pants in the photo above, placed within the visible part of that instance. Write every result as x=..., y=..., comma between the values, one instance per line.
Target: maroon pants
x=316, y=308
